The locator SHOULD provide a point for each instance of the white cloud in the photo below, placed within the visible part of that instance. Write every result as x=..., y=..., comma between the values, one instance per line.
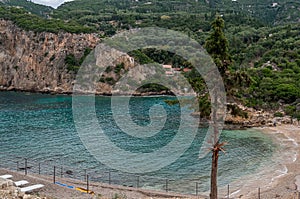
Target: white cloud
x=52, y=3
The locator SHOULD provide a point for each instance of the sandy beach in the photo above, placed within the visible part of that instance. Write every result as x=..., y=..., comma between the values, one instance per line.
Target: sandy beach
x=280, y=179
x=287, y=184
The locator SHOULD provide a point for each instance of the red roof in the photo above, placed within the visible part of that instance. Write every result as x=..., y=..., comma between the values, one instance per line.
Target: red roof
x=187, y=70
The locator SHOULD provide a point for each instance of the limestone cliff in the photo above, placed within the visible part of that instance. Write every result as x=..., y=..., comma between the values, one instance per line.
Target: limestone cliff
x=37, y=62
x=32, y=61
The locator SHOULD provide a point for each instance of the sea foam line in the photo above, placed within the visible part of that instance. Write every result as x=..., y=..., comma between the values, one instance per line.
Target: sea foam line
x=292, y=140
x=295, y=157
x=284, y=172
x=236, y=192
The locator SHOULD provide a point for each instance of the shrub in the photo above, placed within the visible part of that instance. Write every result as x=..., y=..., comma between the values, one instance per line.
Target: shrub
x=118, y=68
x=278, y=114
x=236, y=111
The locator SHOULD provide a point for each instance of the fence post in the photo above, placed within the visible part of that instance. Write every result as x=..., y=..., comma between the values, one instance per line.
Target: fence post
x=87, y=184
x=196, y=188
x=109, y=178
x=228, y=191
x=17, y=165
x=167, y=183
x=54, y=176
x=25, y=166
x=39, y=168
x=138, y=182
x=61, y=171
x=85, y=174
x=258, y=193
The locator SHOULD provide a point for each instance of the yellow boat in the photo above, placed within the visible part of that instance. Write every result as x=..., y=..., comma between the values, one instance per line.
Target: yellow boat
x=84, y=190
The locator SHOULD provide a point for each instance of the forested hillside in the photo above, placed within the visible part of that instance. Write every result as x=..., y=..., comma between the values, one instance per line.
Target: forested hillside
x=28, y=5
x=270, y=12
x=29, y=21
x=267, y=64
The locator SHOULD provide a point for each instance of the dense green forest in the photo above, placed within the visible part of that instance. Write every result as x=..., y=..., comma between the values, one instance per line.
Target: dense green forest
x=110, y=16
x=263, y=38
x=35, y=23
x=267, y=11
x=31, y=7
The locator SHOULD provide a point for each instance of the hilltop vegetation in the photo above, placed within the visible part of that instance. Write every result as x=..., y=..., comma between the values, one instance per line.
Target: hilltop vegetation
x=31, y=7
x=269, y=11
x=190, y=16
x=35, y=23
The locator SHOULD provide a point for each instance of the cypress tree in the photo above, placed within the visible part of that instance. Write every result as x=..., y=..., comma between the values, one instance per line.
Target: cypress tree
x=217, y=45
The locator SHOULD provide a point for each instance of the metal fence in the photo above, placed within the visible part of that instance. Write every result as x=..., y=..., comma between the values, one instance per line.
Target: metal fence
x=48, y=168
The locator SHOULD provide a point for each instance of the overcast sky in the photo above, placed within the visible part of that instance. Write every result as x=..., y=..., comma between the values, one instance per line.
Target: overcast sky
x=52, y=3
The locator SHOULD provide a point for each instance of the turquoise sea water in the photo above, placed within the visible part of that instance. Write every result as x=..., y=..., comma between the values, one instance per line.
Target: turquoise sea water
x=41, y=128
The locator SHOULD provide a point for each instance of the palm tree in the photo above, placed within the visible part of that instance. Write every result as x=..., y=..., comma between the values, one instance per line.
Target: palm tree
x=214, y=168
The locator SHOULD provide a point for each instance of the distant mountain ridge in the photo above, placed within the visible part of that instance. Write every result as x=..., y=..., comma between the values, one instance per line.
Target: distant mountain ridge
x=268, y=11
x=272, y=12
x=90, y=12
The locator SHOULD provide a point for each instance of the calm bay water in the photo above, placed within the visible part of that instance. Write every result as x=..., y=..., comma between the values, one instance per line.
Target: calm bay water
x=41, y=128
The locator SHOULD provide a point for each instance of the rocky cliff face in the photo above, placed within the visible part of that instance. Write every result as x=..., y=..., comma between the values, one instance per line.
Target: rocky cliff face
x=36, y=61
x=40, y=62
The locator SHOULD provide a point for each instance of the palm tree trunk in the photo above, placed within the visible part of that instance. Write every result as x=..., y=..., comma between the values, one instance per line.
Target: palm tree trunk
x=214, y=173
